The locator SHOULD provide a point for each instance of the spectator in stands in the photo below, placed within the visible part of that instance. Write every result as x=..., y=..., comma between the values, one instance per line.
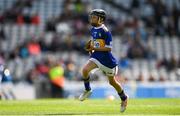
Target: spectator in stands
x=1, y=17
x=70, y=69
x=175, y=18
x=6, y=84
x=42, y=68
x=27, y=18
x=32, y=76
x=171, y=28
x=34, y=48
x=160, y=10
x=56, y=75
x=28, y=3
x=140, y=78
x=172, y=64
x=45, y=46
x=14, y=54
x=23, y=51
x=20, y=19
x=124, y=63
x=79, y=26
x=2, y=59
x=163, y=62
x=35, y=19
x=162, y=79
x=9, y=16
x=79, y=6
x=50, y=24
x=2, y=34
x=23, y=3
x=136, y=49
x=56, y=43
x=135, y=4
x=151, y=78
x=68, y=42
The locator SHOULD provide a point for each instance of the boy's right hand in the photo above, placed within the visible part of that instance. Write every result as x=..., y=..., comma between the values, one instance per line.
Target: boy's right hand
x=88, y=46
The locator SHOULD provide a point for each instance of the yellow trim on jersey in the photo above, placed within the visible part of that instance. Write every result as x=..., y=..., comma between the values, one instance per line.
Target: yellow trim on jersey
x=97, y=43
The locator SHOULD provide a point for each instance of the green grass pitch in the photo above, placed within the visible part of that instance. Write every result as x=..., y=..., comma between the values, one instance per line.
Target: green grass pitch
x=90, y=107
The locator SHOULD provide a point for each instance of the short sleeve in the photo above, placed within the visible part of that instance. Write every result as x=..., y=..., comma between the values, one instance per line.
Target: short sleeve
x=108, y=39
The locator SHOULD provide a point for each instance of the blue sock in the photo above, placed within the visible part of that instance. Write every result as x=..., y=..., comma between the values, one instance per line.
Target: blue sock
x=87, y=84
x=122, y=95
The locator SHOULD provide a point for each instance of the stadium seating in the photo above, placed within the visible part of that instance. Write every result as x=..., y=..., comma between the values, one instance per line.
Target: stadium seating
x=163, y=46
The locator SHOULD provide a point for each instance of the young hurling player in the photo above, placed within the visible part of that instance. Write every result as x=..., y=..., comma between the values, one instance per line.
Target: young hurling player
x=100, y=47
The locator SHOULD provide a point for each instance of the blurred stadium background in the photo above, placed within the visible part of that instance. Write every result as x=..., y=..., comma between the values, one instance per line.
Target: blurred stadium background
x=37, y=36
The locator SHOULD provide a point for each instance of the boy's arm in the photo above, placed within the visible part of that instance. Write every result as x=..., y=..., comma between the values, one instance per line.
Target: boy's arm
x=105, y=49
x=88, y=45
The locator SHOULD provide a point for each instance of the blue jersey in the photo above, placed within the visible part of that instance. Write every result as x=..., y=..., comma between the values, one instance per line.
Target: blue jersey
x=102, y=38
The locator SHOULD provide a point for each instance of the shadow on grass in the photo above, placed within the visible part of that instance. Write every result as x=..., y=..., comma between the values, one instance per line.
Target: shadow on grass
x=65, y=114
x=80, y=114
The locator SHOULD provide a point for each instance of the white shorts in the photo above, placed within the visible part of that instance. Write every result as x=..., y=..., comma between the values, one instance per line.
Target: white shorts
x=106, y=70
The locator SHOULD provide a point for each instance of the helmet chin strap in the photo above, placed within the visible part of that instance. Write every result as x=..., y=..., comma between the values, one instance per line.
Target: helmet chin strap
x=99, y=21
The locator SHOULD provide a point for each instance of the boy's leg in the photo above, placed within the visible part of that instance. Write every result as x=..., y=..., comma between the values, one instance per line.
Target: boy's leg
x=85, y=73
x=120, y=92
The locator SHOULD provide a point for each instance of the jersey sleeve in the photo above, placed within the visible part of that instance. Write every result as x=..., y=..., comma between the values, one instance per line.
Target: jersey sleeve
x=108, y=39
